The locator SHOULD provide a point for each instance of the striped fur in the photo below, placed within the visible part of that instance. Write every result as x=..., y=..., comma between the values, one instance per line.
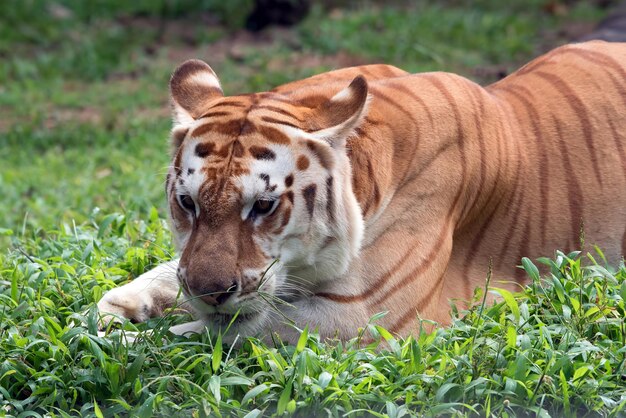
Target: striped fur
x=392, y=191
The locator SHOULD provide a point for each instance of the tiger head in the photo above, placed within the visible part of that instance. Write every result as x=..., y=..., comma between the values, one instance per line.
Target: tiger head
x=260, y=194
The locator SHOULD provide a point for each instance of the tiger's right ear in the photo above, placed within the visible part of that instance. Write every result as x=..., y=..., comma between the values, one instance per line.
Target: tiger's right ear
x=192, y=87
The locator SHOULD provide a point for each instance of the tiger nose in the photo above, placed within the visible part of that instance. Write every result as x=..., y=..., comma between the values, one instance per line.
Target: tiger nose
x=218, y=293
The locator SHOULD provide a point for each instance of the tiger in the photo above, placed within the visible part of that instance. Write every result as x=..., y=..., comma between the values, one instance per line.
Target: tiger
x=368, y=190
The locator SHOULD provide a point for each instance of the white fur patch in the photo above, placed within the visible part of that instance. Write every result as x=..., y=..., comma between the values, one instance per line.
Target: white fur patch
x=191, y=181
x=253, y=186
x=205, y=79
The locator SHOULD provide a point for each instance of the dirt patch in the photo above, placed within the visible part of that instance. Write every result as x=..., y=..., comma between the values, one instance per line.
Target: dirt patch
x=59, y=116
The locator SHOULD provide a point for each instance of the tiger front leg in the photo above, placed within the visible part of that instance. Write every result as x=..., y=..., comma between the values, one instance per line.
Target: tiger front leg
x=148, y=296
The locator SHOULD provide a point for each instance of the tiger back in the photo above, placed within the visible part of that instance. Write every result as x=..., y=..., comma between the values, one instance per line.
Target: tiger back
x=328, y=200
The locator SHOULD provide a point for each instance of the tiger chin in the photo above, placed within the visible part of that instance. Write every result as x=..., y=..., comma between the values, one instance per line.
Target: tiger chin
x=368, y=189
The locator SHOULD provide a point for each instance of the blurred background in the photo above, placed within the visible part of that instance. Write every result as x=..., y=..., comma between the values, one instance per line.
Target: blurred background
x=84, y=114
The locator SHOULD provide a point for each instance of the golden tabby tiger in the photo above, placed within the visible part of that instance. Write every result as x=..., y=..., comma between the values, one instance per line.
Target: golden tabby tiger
x=368, y=189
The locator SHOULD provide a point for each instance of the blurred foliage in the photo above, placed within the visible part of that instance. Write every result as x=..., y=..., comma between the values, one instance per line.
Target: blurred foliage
x=83, y=84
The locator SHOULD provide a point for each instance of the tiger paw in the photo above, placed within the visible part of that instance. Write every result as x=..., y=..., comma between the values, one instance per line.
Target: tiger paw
x=119, y=304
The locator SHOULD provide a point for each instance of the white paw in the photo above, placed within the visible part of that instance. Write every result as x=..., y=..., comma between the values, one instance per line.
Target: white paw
x=121, y=302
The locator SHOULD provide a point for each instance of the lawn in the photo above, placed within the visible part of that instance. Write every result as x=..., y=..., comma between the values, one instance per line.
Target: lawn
x=84, y=123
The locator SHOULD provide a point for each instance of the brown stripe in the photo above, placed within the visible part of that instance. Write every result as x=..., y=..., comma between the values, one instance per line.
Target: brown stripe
x=510, y=233
x=418, y=128
x=474, y=247
x=580, y=109
x=381, y=282
x=226, y=103
x=309, y=197
x=420, y=307
x=178, y=136
x=373, y=187
x=330, y=199
x=604, y=61
x=278, y=121
x=230, y=128
x=541, y=152
x=523, y=251
x=439, y=85
x=289, y=180
x=477, y=99
x=274, y=135
x=415, y=97
x=618, y=145
x=426, y=163
x=266, y=179
x=215, y=114
x=177, y=161
x=517, y=196
x=575, y=193
x=281, y=111
x=262, y=153
x=238, y=149
x=286, y=217
x=168, y=178
x=376, y=92
x=248, y=128
x=313, y=101
x=324, y=156
x=428, y=260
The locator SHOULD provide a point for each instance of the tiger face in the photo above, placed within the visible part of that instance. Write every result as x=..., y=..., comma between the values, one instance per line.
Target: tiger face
x=260, y=196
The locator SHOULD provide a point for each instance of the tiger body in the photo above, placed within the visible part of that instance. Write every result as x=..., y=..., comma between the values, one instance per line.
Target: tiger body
x=391, y=194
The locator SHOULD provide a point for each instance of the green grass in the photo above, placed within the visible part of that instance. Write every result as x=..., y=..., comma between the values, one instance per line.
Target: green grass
x=83, y=145
x=555, y=349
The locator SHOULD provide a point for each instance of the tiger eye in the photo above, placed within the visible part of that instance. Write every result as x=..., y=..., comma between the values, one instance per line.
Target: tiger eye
x=262, y=207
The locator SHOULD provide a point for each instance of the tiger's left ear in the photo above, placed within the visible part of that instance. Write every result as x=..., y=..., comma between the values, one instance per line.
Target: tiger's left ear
x=192, y=87
x=339, y=116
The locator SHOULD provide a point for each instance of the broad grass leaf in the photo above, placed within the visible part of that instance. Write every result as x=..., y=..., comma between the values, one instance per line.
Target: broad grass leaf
x=511, y=337
x=253, y=414
x=133, y=370
x=145, y=410
x=96, y=409
x=285, y=397
x=236, y=381
x=565, y=391
x=510, y=301
x=581, y=372
x=448, y=392
x=530, y=268
x=303, y=339
x=324, y=379
x=214, y=387
x=393, y=343
x=254, y=392
x=216, y=358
